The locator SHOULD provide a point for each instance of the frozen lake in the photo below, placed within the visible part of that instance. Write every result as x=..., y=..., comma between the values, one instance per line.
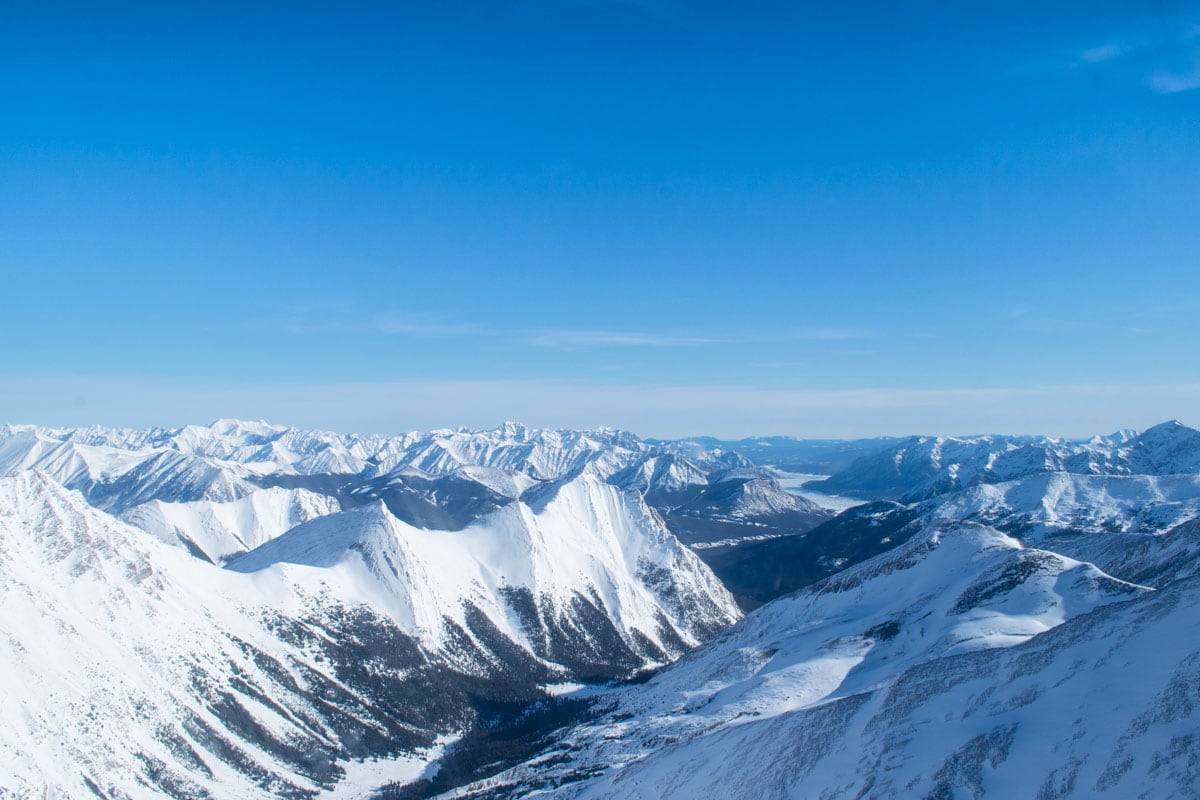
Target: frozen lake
x=793, y=481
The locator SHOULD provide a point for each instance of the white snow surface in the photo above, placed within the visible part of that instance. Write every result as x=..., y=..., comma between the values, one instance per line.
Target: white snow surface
x=223, y=530
x=893, y=679
x=1051, y=502
x=115, y=646
x=794, y=483
x=965, y=662
x=264, y=448
x=105, y=634
x=924, y=466
x=587, y=538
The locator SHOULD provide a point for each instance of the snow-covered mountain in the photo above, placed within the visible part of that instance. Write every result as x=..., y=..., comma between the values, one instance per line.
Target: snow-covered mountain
x=958, y=664
x=132, y=669
x=1053, y=498
x=439, y=479
x=245, y=610
x=812, y=456
x=217, y=531
x=922, y=467
x=951, y=644
x=719, y=497
x=264, y=448
x=584, y=576
x=279, y=640
x=1050, y=503
x=1094, y=518
x=116, y=478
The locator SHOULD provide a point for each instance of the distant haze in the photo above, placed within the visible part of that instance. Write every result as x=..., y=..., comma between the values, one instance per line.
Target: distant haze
x=657, y=411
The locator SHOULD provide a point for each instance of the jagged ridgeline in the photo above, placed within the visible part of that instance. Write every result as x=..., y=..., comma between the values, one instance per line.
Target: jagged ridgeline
x=291, y=611
x=248, y=610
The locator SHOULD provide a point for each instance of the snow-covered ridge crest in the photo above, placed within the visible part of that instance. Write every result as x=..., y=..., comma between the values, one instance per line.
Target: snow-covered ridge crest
x=550, y=572
x=263, y=447
x=217, y=531
x=254, y=669
x=922, y=467
x=135, y=670
x=438, y=479
x=588, y=540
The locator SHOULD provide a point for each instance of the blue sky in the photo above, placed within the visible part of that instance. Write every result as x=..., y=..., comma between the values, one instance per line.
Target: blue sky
x=675, y=218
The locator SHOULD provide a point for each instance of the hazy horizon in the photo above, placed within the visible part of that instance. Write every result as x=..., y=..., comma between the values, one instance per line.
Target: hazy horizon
x=663, y=413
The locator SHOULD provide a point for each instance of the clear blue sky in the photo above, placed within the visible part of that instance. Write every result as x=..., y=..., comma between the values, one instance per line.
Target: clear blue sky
x=673, y=217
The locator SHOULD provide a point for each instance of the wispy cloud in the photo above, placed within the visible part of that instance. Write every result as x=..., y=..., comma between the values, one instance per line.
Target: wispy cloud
x=1164, y=82
x=1037, y=321
x=1168, y=59
x=819, y=335
x=345, y=318
x=590, y=338
x=1102, y=53
x=602, y=338
x=405, y=324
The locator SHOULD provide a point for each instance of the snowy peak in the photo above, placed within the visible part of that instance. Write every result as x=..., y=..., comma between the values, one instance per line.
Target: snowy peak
x=134, y=670
x=589, y=540
x=323, y=640
x=1170, y=448
x=437, y=480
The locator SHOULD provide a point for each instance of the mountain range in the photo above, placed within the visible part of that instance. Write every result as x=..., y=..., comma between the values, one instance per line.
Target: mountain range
x=250, y=610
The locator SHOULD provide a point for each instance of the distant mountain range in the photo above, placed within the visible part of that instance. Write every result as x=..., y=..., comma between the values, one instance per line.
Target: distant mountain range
x=248, y=610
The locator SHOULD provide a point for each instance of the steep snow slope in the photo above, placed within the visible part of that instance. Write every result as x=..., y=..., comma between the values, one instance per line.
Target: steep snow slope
x=131, y=666
x=584, y=573
x=918, y=464
x=1097, y=518
x=218, y=531
x=882, y=681
x=1170, y=448
x=1056, y=717
x=131, y=669
x=540, y=453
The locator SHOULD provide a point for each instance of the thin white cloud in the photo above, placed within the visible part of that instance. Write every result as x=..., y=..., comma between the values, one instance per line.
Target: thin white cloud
x=346, y=320
x=820, y=335
x=1102, y=53
x=1173, y=82
x=1158, y=55
x=587, y=338
x=399, y=323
